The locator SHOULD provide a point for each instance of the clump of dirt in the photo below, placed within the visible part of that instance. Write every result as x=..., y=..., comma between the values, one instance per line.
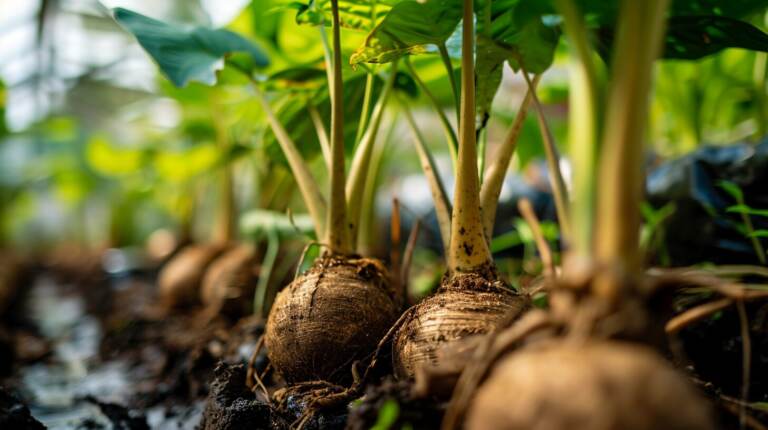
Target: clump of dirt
x=231, y=405
x=592, y=385
x=466, y=304
x=120, y=417
x=328, y=318
x=14, y=414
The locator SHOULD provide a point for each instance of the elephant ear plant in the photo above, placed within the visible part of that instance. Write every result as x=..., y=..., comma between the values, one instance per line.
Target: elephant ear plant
x=337, y=311
x=586, y=362
x=472, y=298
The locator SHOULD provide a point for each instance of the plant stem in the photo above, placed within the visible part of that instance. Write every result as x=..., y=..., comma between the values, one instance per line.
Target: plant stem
x=497, y=170
x=365, y=236
x=322, y=134
x=468, y=248
x=337, y=235
x=310, y=192
x=584, y=130
x=449, y=68
x=439, y=196
x=261, y=300
x=559, y=190
x=450, y=133
x=760, y=77
x=367, y=96
x=225, y=224
x=326, y=55
x=641, y=27
x=361, y=161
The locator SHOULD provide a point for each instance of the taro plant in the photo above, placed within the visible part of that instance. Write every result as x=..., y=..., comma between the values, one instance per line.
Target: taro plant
x=602, y=294
x=336, y=312
x=472, y=297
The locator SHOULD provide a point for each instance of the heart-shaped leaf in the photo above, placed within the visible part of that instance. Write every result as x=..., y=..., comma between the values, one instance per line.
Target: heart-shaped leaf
x=410, y=27
x=353, y=14
x=187, y=54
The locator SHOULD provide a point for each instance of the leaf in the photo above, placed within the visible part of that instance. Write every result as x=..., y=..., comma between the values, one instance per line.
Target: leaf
x=260, y=221
x=409, y=28
x=759, y=234
x=187, y=54
x=489, y=71
x=732, y=189
x=293, y=114
x=112, y=161
x=388, y=414
x=693, y=37
x=744, y=209
x=353, y=14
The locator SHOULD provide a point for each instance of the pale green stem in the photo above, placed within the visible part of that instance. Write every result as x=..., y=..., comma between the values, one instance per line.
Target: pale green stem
x=450, y=133
x=559, y=190
x=428, y=166
x=583, y=127
x=260, y=300
x=337, y=235
x=641, y=28
x=468, y=248
x=451, y=77
x=367, y=96
x=497, y=169
x=358, y=172
x=322, y=134
x=310, y=192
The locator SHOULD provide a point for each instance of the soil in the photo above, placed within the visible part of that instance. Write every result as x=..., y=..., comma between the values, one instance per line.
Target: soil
x=95, y=350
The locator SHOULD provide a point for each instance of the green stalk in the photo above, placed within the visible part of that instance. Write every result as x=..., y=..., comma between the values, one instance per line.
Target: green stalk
x=322, y=134
x=468, y=250
x=559, y=190
x=262, y=300
x=583, y=130
x=337, y=236
x=310, y=192
x=367, y=96
x=428, y=166
x=358, y=171
x=365, y=236
x=497, y=170
x=225, y=223
x=449, y=68
x=760, y=75
x=450, y=134
x=641, y=27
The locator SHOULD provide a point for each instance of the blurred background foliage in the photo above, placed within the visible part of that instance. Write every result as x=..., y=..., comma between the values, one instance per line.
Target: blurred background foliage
x=97, y=149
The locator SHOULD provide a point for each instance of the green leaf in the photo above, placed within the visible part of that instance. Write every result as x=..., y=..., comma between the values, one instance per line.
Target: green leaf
x=489, y=71
x=110, y=160
x=732, y=189
x=353, y=14
x=409, y=28
x=187, y=54
x=759, y=234
x=388, y=414
x=744, y=209
x=694, y=37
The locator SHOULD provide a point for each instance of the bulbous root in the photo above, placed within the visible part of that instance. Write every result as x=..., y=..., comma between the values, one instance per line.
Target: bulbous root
x=597, y=385
x=230, y=281
x=179, y=281
x=466, y=304
x=329, y=317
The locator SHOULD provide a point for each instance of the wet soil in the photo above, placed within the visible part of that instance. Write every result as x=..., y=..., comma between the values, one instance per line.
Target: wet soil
x=92, y=351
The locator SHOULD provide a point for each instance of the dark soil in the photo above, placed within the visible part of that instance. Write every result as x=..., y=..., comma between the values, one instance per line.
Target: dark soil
x=14, y=414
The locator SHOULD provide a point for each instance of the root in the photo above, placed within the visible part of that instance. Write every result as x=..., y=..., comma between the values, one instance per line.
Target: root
x=252, y=378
